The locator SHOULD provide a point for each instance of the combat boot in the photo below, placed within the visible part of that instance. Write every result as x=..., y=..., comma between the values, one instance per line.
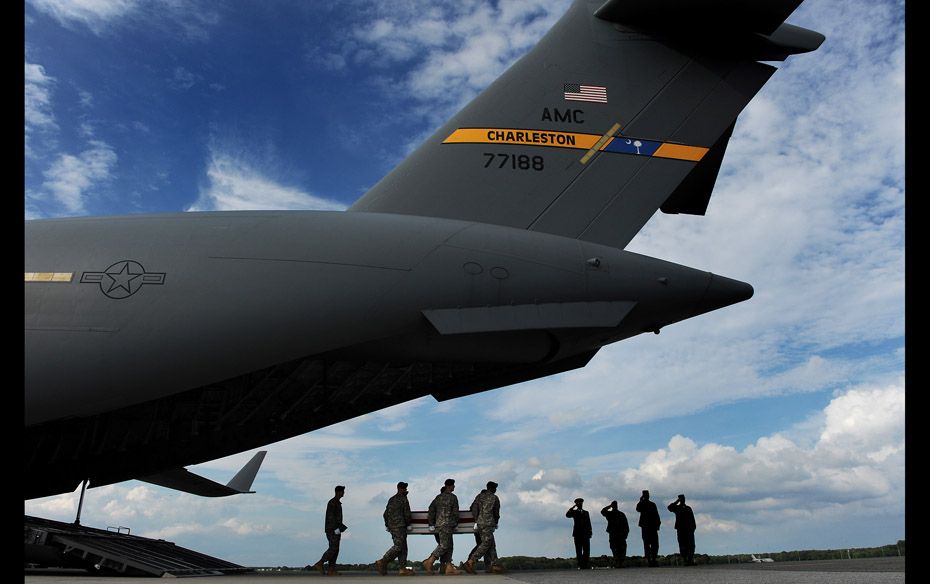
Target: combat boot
x=498, y=569
x=405, y=571
x=332, y=572
x=451, y=570
x=381, y=566
x=469, y=566
x=428, y=564
x=319, y=566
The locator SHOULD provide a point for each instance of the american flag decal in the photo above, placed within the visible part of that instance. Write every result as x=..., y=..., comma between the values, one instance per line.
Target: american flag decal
x=577, y=92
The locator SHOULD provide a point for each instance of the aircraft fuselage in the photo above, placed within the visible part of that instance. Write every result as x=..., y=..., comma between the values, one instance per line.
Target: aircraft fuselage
x=166, y=340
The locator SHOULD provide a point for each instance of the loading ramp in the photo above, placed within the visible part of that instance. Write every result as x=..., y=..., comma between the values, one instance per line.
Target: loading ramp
x=51, y=543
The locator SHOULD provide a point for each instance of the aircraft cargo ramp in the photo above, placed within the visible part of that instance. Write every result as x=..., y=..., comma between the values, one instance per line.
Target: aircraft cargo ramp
x=55, y=544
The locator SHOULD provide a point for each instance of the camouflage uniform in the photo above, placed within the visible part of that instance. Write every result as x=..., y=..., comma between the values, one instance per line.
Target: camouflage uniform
x=396, y=519
x=333, y=522
x=444, y=514
x=486, y=509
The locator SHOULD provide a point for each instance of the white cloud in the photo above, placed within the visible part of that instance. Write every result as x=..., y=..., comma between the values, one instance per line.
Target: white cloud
x=87, y=99
x=710, y=524
x=444, y=407
x=323, y=442
x=70, y=178
x=31, y=210
x=38, y=97
x=172, y=532
x=192, y=18
x=38, y=102
x=91, y=13
x=326, y=60
x=397, y=418
x=234, y=185
x=240, y=527
x=63, y=506
x=450, y=50
x=777, y=482
x=115, y=509
x=621, y=385
x=182, y=80
x=554, y=477
x=859, y=419
x=841, y=467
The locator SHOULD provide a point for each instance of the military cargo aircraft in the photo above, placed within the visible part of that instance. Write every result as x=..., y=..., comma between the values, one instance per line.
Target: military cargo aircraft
x=493, y=254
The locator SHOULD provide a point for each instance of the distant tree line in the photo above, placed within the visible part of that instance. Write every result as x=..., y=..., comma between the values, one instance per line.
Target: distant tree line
x=539, y=563
x=895, y=549
x=542, y=563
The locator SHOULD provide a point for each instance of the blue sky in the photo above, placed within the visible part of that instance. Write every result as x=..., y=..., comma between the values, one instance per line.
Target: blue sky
x=781, y=418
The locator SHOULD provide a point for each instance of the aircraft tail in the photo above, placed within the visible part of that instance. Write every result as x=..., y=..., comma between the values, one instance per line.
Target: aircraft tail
x=243, y=480
x=624, y=107
x=182, y=479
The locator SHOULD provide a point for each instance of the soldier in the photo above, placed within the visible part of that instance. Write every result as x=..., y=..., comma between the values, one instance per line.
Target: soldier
x=618, y=528
x=432, y=511
x=649, y=521
x=477, y=533
x=397, y=520
x=487, y=512
x=333, y=527
x=581, y=532
x=443, y=517
x=474, y=513
x=685, y=526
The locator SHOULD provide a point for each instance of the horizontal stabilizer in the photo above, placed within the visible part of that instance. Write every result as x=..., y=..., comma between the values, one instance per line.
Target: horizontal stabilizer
x=721, y=22
x=763, y=16
x=181, y=479
x=556, y=315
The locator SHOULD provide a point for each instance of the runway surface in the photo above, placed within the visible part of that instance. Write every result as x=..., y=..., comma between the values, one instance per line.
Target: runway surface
x=860, y=571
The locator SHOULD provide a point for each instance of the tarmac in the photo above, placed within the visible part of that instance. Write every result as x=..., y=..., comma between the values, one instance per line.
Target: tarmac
x=857, y=571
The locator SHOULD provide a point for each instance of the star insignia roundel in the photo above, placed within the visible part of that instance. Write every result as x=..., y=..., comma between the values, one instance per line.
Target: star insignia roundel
x=122, y=279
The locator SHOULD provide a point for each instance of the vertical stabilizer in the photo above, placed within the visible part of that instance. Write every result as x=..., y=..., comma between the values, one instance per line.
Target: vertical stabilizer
x=594, y=129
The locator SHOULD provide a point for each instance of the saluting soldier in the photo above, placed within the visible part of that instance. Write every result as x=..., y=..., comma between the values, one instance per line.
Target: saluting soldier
x=443, y=518
x=685, y=526
x=581, y=532
x=397, y=519
x=333, y=526
x=487, y=511
x=618, y=527
x=649, y=521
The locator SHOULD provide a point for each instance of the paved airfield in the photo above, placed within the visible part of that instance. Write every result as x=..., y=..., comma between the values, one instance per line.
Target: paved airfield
x=863, y=571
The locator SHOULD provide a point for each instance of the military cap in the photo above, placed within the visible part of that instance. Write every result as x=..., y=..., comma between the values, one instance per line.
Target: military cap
x=579, y=500
x=340, y=487
x=449, y=482
x=492, y=485
x=401, y=485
